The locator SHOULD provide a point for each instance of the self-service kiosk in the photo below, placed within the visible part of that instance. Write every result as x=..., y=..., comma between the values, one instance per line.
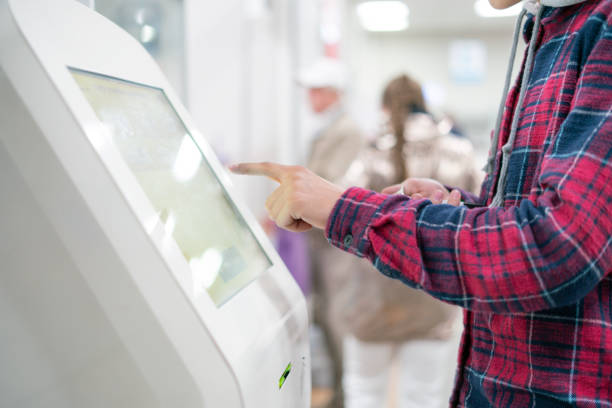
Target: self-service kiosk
x=130, y=276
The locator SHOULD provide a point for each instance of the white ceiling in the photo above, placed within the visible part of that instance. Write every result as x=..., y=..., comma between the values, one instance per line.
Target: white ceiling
x=443, y=16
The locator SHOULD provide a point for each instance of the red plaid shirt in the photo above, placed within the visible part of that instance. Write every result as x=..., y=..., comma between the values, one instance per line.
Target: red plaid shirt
x=534, y=277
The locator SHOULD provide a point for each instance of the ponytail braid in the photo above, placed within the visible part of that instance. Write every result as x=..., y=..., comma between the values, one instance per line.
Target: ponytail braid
x=401, y=97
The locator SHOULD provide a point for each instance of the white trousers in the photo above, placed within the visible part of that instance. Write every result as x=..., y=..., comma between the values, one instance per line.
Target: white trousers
x=425, y=373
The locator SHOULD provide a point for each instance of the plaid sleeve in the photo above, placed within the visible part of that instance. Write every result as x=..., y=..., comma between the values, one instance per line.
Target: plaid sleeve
x=548, y=252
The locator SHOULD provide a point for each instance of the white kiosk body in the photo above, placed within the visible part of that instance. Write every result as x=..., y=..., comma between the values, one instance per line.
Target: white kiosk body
x=130, y=276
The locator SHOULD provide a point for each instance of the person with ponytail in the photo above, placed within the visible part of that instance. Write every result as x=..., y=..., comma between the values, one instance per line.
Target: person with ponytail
x=388, y=324
x=419, y=149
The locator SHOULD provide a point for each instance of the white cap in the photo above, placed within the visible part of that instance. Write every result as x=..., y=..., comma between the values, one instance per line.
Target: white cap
x=324, y=73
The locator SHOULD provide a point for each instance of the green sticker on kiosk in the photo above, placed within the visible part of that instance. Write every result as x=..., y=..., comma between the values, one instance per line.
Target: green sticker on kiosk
x=283, y=378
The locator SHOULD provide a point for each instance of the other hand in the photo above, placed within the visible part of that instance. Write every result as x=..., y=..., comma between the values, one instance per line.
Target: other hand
x=418, y=188
x=302, y=200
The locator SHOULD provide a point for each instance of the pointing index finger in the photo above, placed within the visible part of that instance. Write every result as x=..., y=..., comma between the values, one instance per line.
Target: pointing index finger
x=273, y=170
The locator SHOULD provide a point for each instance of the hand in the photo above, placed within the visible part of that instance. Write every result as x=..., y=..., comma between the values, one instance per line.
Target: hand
x=302, y=201
x=419, y=188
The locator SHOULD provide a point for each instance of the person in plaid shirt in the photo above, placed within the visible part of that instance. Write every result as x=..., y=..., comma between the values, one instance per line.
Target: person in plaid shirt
x=530, y=260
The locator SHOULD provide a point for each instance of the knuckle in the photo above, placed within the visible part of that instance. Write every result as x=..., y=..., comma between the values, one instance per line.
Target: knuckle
x=299, y=171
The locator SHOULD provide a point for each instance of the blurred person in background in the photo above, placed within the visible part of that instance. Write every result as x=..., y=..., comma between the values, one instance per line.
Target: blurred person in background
x=335, y=146
x=338, y=139
x=389, y=324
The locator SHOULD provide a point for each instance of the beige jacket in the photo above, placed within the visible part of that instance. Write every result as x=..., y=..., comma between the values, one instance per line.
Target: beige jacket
x=335, y=148
x=366, y=303
x=428, y=154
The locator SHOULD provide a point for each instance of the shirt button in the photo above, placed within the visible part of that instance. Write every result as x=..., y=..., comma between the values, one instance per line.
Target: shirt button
x=348, y=240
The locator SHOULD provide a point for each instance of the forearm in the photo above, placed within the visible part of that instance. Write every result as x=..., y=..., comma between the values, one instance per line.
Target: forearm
x=499, y=260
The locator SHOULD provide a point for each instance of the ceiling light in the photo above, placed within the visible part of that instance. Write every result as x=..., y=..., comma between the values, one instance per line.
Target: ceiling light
x=484, y=9
x=147, y=34
x=384, y=15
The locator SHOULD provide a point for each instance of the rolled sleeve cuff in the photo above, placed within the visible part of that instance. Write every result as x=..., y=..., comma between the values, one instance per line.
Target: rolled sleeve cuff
x=355, y=226
x=350, y=220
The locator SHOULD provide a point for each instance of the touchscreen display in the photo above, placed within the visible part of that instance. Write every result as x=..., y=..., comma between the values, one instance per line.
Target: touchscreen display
x=221, y=250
